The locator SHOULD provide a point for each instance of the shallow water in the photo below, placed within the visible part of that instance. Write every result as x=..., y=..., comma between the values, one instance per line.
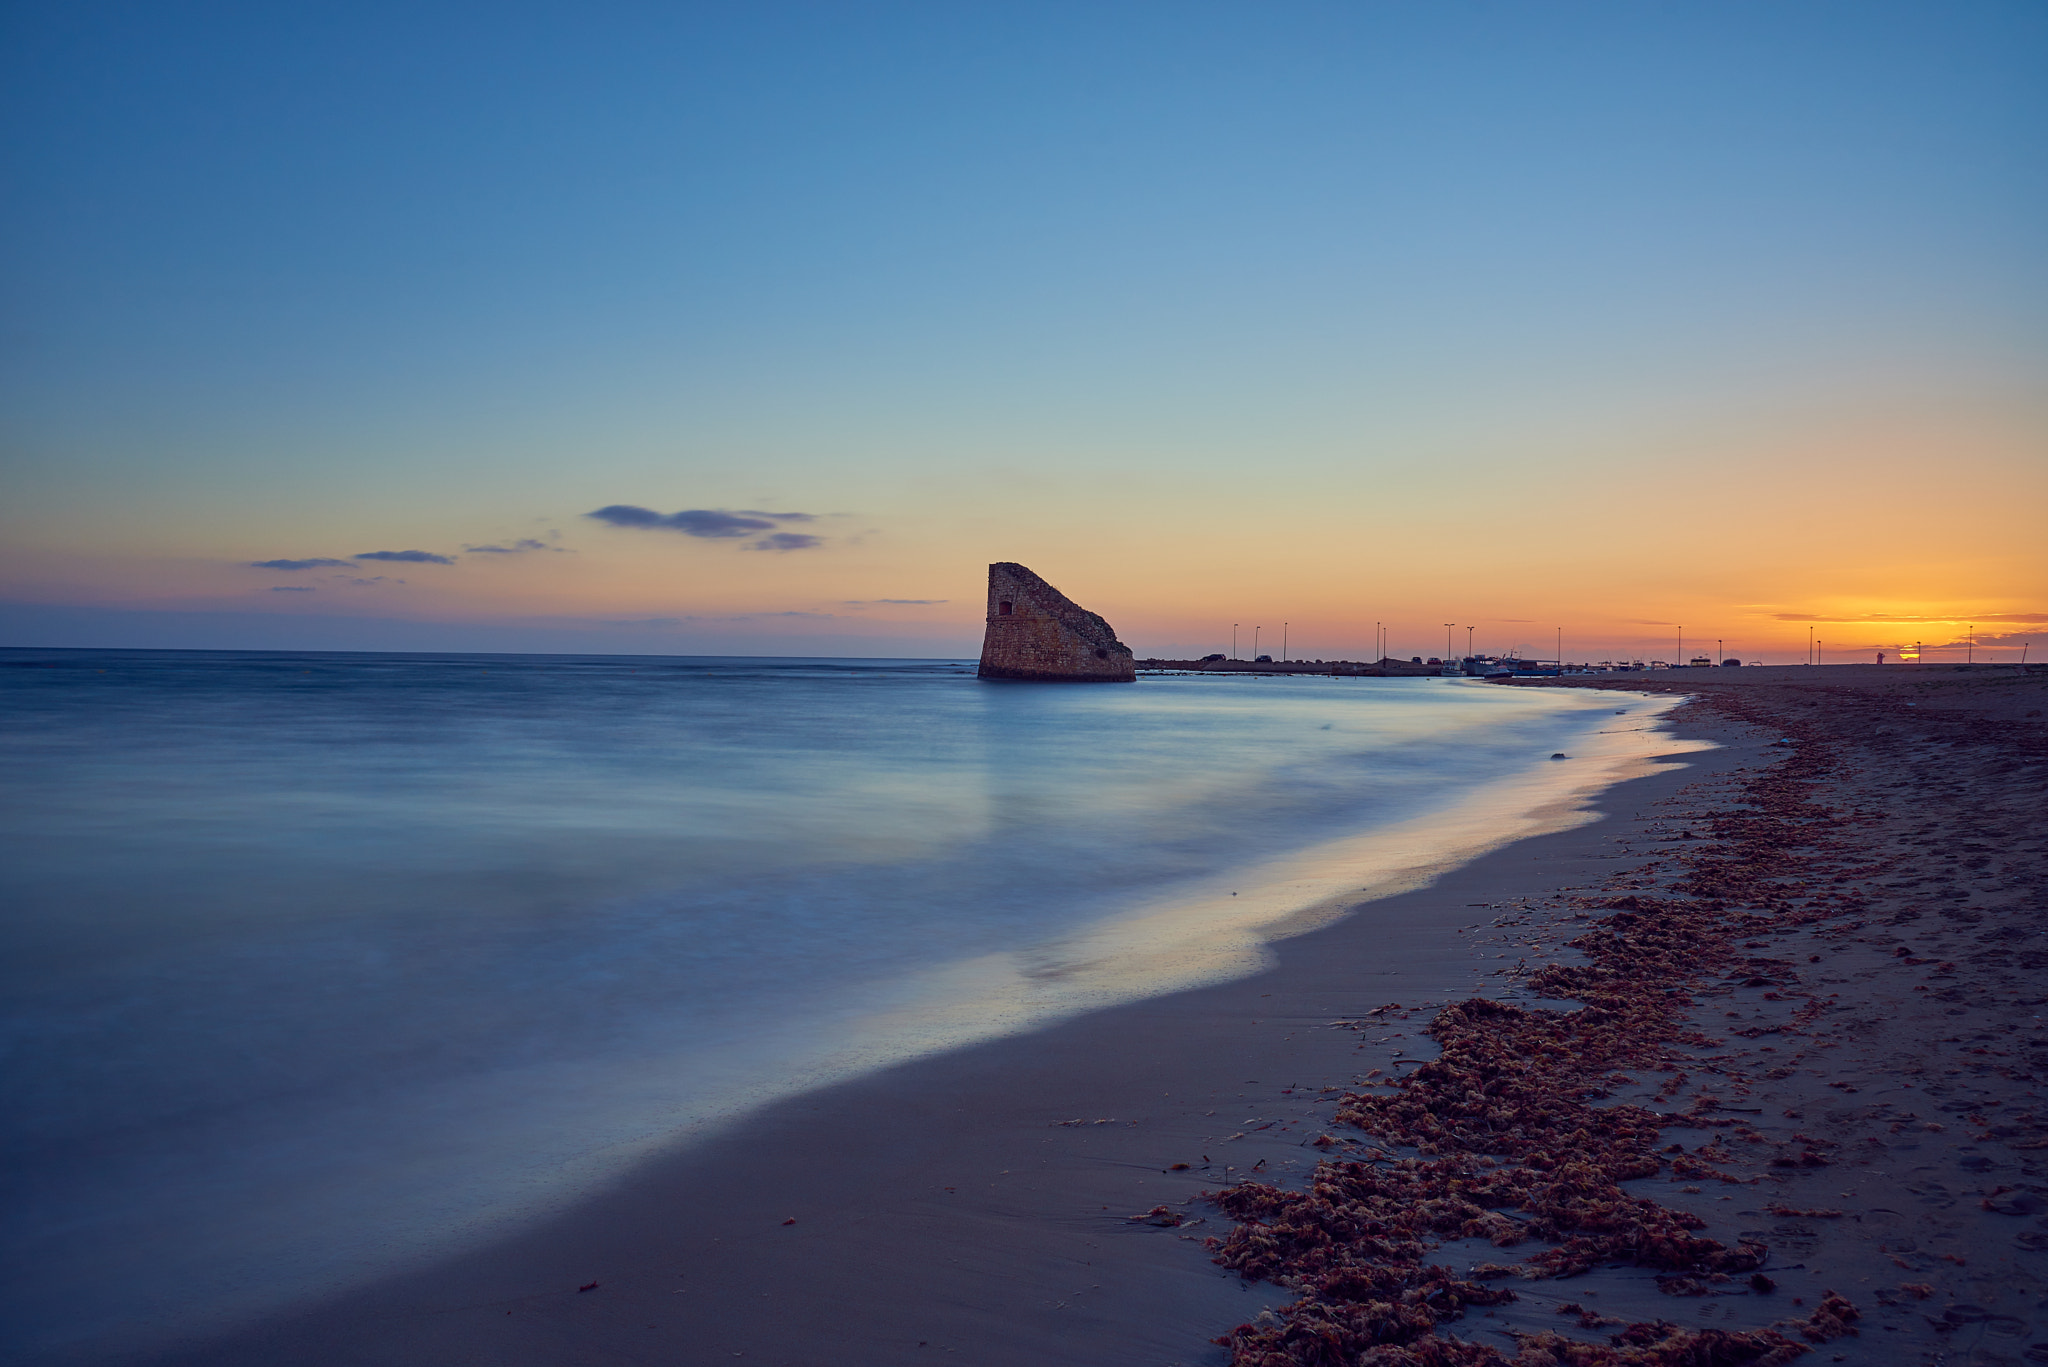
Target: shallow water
x=315, y=965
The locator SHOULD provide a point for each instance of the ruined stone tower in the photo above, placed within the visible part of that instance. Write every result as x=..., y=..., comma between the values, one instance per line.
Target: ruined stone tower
x=1037, y=632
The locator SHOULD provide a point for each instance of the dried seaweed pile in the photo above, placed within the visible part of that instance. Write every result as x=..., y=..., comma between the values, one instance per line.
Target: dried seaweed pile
x=1509, y=1147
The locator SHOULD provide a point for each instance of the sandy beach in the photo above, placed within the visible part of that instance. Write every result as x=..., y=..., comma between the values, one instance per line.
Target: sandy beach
x=856, y=684
x=1823, y=988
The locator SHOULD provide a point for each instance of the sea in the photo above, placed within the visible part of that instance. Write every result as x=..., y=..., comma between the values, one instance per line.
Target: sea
x=316, y=967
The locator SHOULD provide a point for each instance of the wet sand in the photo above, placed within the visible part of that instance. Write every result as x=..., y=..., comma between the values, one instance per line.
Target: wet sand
x=978, y=1205
x=1800, y=1110
x=1889, y=1017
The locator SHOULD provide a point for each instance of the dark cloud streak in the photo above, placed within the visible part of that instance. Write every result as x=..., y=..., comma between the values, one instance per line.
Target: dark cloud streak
x=317, y=564
x=716, y=524
x=710, y=523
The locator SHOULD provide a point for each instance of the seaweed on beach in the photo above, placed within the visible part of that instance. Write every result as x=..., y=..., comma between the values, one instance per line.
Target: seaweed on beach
x=1506, y=1143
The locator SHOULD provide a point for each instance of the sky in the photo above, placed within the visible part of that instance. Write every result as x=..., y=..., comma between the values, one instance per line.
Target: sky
x=763, y=328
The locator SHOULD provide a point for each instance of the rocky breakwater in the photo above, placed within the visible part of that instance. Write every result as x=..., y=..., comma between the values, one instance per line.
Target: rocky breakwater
x=1036, y=632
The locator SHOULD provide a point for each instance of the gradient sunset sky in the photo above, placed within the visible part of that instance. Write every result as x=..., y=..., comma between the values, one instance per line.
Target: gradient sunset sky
x=763, y=328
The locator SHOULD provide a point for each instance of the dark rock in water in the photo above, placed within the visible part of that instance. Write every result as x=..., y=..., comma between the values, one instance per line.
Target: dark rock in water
x=1037, y=632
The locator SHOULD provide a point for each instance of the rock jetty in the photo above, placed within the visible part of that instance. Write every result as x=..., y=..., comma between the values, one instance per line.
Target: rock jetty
x=1036, y=632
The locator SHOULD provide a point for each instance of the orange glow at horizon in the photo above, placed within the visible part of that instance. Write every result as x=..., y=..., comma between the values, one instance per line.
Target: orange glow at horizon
x=1623, y=554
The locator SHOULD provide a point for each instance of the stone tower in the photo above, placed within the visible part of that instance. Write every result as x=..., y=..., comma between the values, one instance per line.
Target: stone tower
x=1037, y=632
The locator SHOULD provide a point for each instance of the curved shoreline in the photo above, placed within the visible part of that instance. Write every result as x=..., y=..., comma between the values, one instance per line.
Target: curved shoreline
x=1880, y=1229
x=239, y=1216
x=940, y=1198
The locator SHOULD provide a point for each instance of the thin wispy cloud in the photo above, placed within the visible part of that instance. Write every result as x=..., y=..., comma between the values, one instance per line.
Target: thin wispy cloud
x=788, y=541
x=728, y=618
x=900, y=602
x=1909, y=619
x=407, y=557
x=292, y=588
x=329, y=563
x=519, y=547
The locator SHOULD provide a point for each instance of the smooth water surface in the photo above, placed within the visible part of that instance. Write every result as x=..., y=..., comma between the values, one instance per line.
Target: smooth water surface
x=317, y=964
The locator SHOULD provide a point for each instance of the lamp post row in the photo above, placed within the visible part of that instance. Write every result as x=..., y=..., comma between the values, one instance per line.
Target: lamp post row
x=1814, y=645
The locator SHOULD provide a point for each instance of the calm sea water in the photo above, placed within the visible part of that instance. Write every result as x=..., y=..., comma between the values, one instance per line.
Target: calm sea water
x=317, y=964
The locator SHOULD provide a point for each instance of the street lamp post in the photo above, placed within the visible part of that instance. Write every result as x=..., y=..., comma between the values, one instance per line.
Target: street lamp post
x=1283, y=643
x=1449, y=636
x=1255, y=644
x=1468, y=642
x=1233, y=640
x=1970, y=651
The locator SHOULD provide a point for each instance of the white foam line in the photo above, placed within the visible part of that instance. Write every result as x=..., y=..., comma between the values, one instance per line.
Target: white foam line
x=1224, y=927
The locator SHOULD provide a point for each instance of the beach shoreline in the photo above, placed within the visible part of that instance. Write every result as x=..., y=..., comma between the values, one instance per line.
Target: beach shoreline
x=980, y=1204
x=855, y=1157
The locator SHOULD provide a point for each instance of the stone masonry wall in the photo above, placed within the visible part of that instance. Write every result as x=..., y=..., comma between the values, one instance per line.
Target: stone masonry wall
x=1044, y=635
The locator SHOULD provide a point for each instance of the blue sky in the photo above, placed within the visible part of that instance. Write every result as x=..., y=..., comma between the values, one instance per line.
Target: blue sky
x=1290, y=292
